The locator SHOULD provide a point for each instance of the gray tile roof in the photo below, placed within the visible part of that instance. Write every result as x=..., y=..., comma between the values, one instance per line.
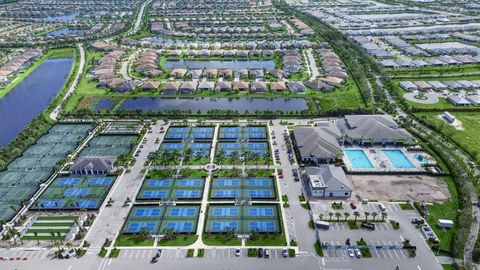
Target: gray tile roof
x=318, y=142
x=376, y=127
x=330, y=176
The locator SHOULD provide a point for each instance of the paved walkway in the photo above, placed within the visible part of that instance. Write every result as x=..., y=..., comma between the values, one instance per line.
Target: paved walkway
x=431, y=98
x=111, y=218
x=72, y=88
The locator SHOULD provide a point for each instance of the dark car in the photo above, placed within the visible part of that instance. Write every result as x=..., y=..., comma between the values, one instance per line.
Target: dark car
x=368, y=226
x=260, y=252
x=154, y=259
x=418, y=221
x=159, y=253
x=353, y=206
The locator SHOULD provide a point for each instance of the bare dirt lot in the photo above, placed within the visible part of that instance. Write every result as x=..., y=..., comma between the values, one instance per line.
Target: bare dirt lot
x=400, y=187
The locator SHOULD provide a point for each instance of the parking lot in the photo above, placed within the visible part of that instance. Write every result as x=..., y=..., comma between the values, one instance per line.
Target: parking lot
x=385, y=243
x=179, y=253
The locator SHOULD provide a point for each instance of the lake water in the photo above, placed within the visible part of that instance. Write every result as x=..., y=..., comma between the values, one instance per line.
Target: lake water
x=64, y=18
x=235, y=65
x=205, y=104
x=64, y=32
x=31, y=97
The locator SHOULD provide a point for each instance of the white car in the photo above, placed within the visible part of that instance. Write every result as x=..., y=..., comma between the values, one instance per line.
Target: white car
x=351, y=253
x=358, y=253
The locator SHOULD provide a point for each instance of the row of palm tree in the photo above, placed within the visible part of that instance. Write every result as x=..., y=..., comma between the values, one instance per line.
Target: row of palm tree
x=356, y=215
x=246, y=155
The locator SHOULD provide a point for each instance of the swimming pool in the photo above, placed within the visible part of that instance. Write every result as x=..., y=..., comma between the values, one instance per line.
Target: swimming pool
x=358, y=159
x=398, y=159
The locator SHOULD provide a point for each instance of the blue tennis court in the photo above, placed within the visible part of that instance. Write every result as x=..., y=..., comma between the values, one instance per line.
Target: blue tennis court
x=76, y=192
x=221, y=226
x=259, y=182
x=247, y=218
x=226, y=193
x=262, y=226
x=67, y=181
x=261, y=211
x=136, y=227
x=189, y=183
x=227, y=182
x=154, y=194
x=81, y=192
x=159, y=182
x=243, y=188
x=178, y=129
x=259, y=194
x=52, y=204
x=179, y=219
x=87, y=204
x=183, y=212
x=147, y=212
x=225, y=212
x=101, y=181
x=187, y=194
x=243, y=132
x=179, y=226
x=172, y=146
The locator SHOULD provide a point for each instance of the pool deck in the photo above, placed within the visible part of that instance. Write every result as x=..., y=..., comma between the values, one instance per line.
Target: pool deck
x=381, y=163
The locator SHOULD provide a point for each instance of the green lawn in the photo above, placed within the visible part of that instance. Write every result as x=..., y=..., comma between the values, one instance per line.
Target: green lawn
x=406, y=206
x=52, y=224
x=219, y=240
x=57, y=218
x=434, y=71
x=48, y=230
x=114, y=253
x=446, y=210
x=346, y=97
x=132, y=241
x=272, y=240
x=468, y=139
x=178, y=241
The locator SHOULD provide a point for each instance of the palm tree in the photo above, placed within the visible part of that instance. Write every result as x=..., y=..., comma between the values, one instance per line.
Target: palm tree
x=154, y=157
x=220, y=156
x=60, y=237
x=366, y=216
x=36, y=236
x=346, y=214
x=235, y=155
x=384, y=215
x=330, y=214
x=246, y=156
x=338, y=215
x=320, y=216
x=188, y=153
x=18, y=235
x=374, y=215
x=356, y=214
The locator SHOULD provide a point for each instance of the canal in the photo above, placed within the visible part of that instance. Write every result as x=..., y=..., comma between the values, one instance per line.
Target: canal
x=240, y=104
x=31, y=97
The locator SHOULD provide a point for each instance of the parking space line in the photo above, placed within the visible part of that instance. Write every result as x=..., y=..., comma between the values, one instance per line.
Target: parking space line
x=131, y=255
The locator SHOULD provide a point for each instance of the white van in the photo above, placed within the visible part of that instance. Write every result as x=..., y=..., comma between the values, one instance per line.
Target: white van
x=382, y=207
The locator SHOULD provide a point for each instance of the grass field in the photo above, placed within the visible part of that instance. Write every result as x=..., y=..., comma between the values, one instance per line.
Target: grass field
x=272, y=240
x=446, y=210
x=346, y=97
x=468, y=139
x=219, y=240
x=179, y=241
x=132, y=241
